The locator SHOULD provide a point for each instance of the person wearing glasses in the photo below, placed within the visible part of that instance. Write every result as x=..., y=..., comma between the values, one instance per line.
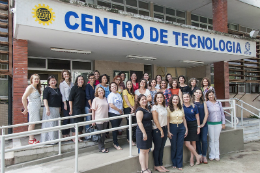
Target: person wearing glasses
x=97, y=74
x=118, y=80
x=90, y=95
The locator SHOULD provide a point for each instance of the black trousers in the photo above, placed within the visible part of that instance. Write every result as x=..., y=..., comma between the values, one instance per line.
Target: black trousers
x=115, y=123
x=128, y=111
x=67, y=121
x=77, y=111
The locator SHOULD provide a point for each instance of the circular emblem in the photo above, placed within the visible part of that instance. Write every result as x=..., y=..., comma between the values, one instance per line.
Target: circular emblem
x=43, y=14
x=247, y=46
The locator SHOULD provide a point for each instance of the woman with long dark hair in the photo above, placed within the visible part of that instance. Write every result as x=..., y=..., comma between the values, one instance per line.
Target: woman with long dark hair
x=143, y=90
x=77, y=103
x=33, y=93
x=103, y=79
x=184, y=88
x=129, y=103
x=158, y=79
x=143, y=131
x=175, y=88
x=166, y=92
x=202, y=144
x=118, y=80
x=65, y=88
x=168, y=79
x=206, y=86
x=177, y=130
x=192, y=86
x=159, y=112
x=153, y=90
x=134, y=81
x=52, y=99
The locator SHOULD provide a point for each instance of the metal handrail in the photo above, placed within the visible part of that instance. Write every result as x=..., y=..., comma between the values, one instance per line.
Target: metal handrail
x=247, y=104
x=60, y=127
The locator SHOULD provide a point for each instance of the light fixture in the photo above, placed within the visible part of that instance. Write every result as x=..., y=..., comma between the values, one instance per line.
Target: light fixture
x=254, y=33
x=193, y=62
x=70, y=50
x=147, y=58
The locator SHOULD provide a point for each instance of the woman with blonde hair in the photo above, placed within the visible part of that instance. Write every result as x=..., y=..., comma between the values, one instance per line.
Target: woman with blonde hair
x=193, y=124
x=33, y=93
x=65, y=87
x=100, y=111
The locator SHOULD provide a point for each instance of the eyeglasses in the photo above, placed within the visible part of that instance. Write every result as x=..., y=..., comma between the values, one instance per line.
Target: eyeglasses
x=118, y=79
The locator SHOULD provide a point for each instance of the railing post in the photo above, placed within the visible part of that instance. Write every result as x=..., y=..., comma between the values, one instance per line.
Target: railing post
x=76, y=147
x=60, y=138
x=242, y=111
x=3, y=151
x=130, y=135
x=235, y=114
x=259, y=122
x=232, y=114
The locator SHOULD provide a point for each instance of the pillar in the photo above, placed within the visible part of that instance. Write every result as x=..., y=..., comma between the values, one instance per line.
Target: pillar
x=20, y=75
x=221, y=69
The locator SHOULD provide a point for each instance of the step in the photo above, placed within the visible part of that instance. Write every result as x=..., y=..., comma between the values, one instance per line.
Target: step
x=43, y=152
x=250, y=139
x=3, y=6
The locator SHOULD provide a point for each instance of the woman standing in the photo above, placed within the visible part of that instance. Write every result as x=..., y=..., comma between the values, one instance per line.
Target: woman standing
x=97, y=74
x=153, y=90
x=175, y=88
x=143, y=90
x=184, y=88
x=103, y=79
x=166, y=92
x=100, y=111
x=118, y=80
x=52, y=99
x=193, y=124
x=206, y=86
x=65, y=87
x=77, y=103
x=168, y=79
x=134, y=81
x=177, y=130
x=192, y=86
x=158, y=79
x=143, y=131
x=115, y=109
x=202, y=144
x=146, y=77
x=159, y=132
x=129, y=103
x=216, y=122
x=33, y=93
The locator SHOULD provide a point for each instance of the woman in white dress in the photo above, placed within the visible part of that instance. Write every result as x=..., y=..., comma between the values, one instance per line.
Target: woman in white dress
x=33, y=93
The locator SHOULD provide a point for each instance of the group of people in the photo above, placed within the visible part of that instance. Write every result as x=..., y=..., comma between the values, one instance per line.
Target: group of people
x=169, y=108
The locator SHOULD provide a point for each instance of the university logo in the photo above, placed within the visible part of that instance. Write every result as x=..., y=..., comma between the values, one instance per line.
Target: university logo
x=43, y=14
x=247, y=47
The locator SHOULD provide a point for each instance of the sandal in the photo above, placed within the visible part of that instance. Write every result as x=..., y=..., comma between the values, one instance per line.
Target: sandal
x=31, y=142
x=144, y=171
x=117, y=147
x=180, y=169
x=36, y=142
x=105, y=150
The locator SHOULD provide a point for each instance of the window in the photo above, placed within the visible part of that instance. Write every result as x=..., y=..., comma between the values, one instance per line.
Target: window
x=233, y=27
x=36, y=63
x=169, y=14
x=57, y=64
x=132, y=10
x=104, y=4
x=118, y=1
x=131, y=3
x=79, y=65
x=119, y=7
x=200, y=21
x=143, y=5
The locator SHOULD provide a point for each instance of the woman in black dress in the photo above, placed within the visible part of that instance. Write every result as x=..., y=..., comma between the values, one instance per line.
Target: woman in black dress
x=143, y=131
x=184, y=88
x=77, y=103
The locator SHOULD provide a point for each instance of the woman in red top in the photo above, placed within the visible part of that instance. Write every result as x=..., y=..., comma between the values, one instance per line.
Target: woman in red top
x=175, y=88
x=134, y=81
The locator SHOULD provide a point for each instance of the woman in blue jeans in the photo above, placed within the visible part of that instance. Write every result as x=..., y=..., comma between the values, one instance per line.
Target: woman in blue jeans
x=202, y=144
x=177, y=130
x=159, y=112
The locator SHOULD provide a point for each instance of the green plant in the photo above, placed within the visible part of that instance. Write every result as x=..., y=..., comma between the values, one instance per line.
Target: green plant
x=253, y=116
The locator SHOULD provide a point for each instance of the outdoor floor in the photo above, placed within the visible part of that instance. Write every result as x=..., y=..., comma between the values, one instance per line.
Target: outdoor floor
x=241, y=161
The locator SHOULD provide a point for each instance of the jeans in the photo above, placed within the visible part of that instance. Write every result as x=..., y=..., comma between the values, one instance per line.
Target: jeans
x=128, y=111
x=88, y=118
x=101, y=142
x=177, y=144
x=115, y=123
x=202, y=144
x=66, y=121
x=159, y=144
x=214, y=133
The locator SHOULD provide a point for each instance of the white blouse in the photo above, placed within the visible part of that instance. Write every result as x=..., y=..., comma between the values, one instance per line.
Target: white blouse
x=65, y=90
x=162, y=115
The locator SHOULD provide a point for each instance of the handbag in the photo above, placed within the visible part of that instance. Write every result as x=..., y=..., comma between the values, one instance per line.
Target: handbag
x=94, y=138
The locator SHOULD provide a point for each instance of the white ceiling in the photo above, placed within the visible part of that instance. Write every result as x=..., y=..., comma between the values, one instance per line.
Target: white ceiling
x=238, y=12
x=41, y=40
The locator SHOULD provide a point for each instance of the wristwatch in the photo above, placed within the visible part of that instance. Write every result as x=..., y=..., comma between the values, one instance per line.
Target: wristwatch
x=198, y=126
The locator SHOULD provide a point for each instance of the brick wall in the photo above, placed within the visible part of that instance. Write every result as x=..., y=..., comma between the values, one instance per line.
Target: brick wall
x=20, y=73
x=221, y=69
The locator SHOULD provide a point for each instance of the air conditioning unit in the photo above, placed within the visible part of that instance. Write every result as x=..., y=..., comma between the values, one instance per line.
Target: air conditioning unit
x=241, y=89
